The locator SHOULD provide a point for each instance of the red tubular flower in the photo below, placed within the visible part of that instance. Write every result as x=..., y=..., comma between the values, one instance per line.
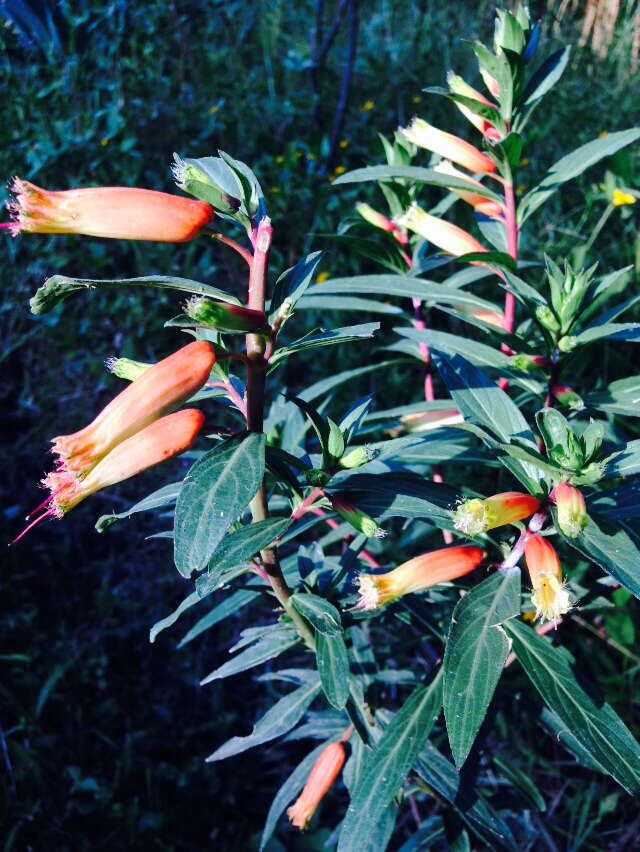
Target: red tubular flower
x=549, y=596
x=480, y=203
x=325, y=771
x=109, y=211
x=460, y=87
x=418, y=574
x=161, y=388
x=571, y=509
x=450, y=147
x=159, y=441
x=476, y=516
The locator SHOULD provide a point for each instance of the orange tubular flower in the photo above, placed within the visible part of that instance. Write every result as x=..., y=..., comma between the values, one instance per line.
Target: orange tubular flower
x=479, y=203
x=476, y=516
x=424, y=421
x=325, y=771
x=109, y=211
x=159, y=441
x=418, y=574
x=161, y=388
x=446, y=236
x=448, y=146
x=549, y=595
x=571, y=509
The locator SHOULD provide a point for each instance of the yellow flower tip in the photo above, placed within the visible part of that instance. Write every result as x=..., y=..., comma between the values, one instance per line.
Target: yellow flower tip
x=621, y=198
x=323, y=276
x=344, y=143
x=366, y=106
x=416, y=99
x=520, y=189
x=603, y=133
x=274, y=189
x=471, y=517
x=550, y=598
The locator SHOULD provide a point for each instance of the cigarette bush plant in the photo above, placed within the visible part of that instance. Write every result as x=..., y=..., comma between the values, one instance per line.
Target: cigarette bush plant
x=495, y=504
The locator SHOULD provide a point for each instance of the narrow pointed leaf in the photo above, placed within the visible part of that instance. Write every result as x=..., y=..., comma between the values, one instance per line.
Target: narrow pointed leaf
x=270, y=646
x=612, y=549
x=475, y=654
x=333, y=668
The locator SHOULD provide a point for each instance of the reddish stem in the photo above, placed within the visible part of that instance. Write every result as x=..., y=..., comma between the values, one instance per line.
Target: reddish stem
x=246, y=255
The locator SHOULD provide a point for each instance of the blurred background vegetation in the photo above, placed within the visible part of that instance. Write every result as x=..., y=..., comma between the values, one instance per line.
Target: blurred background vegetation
x=103, y=735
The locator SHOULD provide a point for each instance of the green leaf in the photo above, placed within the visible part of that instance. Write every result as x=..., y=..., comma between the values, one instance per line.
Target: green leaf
x=403, y=287
x=333, y=668
x=325, y=338
x=612, y=549
x=483, y=403
x=454, y=344
x=521, y=781
x=616, y=503
x=59, y=287
x=572, y=165
x=283, y=716
x=228, y=606
x=611, y=331
x=443, y=778
x=161, y=625
x=266, y=648
x=475, y=655
x=620, y=397
x=292, y=283
x=415, y=174
x=595, y=725
x=164, y=496
x=241, y=545
x=321, y=614
x=386, y=766
x=214, y=493
x=289, y=790
x=626, y=461
x=541, y=82
x=312, y=302
x=402, y=495
x=561, y=734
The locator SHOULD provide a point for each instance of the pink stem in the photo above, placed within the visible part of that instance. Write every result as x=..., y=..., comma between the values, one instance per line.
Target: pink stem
x=246, y=255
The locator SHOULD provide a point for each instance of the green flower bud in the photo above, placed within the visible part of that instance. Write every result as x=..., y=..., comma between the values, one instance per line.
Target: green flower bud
x=191, y=178
x=225, y=317
x=358, y=519
x=358, y=456
x=125, y=368
x=547, y=318
x=568, y=343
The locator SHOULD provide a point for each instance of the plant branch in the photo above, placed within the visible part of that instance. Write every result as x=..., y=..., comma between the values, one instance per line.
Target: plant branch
x=243, y=252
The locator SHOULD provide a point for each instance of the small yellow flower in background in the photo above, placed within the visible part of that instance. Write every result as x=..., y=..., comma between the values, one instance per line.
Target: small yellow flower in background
x=324, y=276
x=620, y=198
x=524, y=161
x=339, y=170
x=310, y=156
x=299, y=153
x=280, y=159
x=416, y=99
x=520, y=189
x=104, y=141
x=601, y=186
x=214, y=109
x=603, y=133
x=344, y=143
x=366, y=106
x=274, y=189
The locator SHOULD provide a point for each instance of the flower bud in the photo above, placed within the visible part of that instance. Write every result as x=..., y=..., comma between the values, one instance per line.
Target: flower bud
x=547, y=319
x=474, y=517
x=417, y=574
x=118, y=212
x=528, y=363
x=125, y=368
x=225, y=317
x=378, y=220
x=325, y=771
x=191, y=178
x=567, y=396
x=571, y=509
x=567, y=343
x=358, y=519
x=446, y=236
x=549, y=595
x=358, y=456
x=448, y=146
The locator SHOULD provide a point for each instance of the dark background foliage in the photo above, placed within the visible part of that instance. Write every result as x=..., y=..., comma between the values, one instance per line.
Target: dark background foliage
x=103, y=734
